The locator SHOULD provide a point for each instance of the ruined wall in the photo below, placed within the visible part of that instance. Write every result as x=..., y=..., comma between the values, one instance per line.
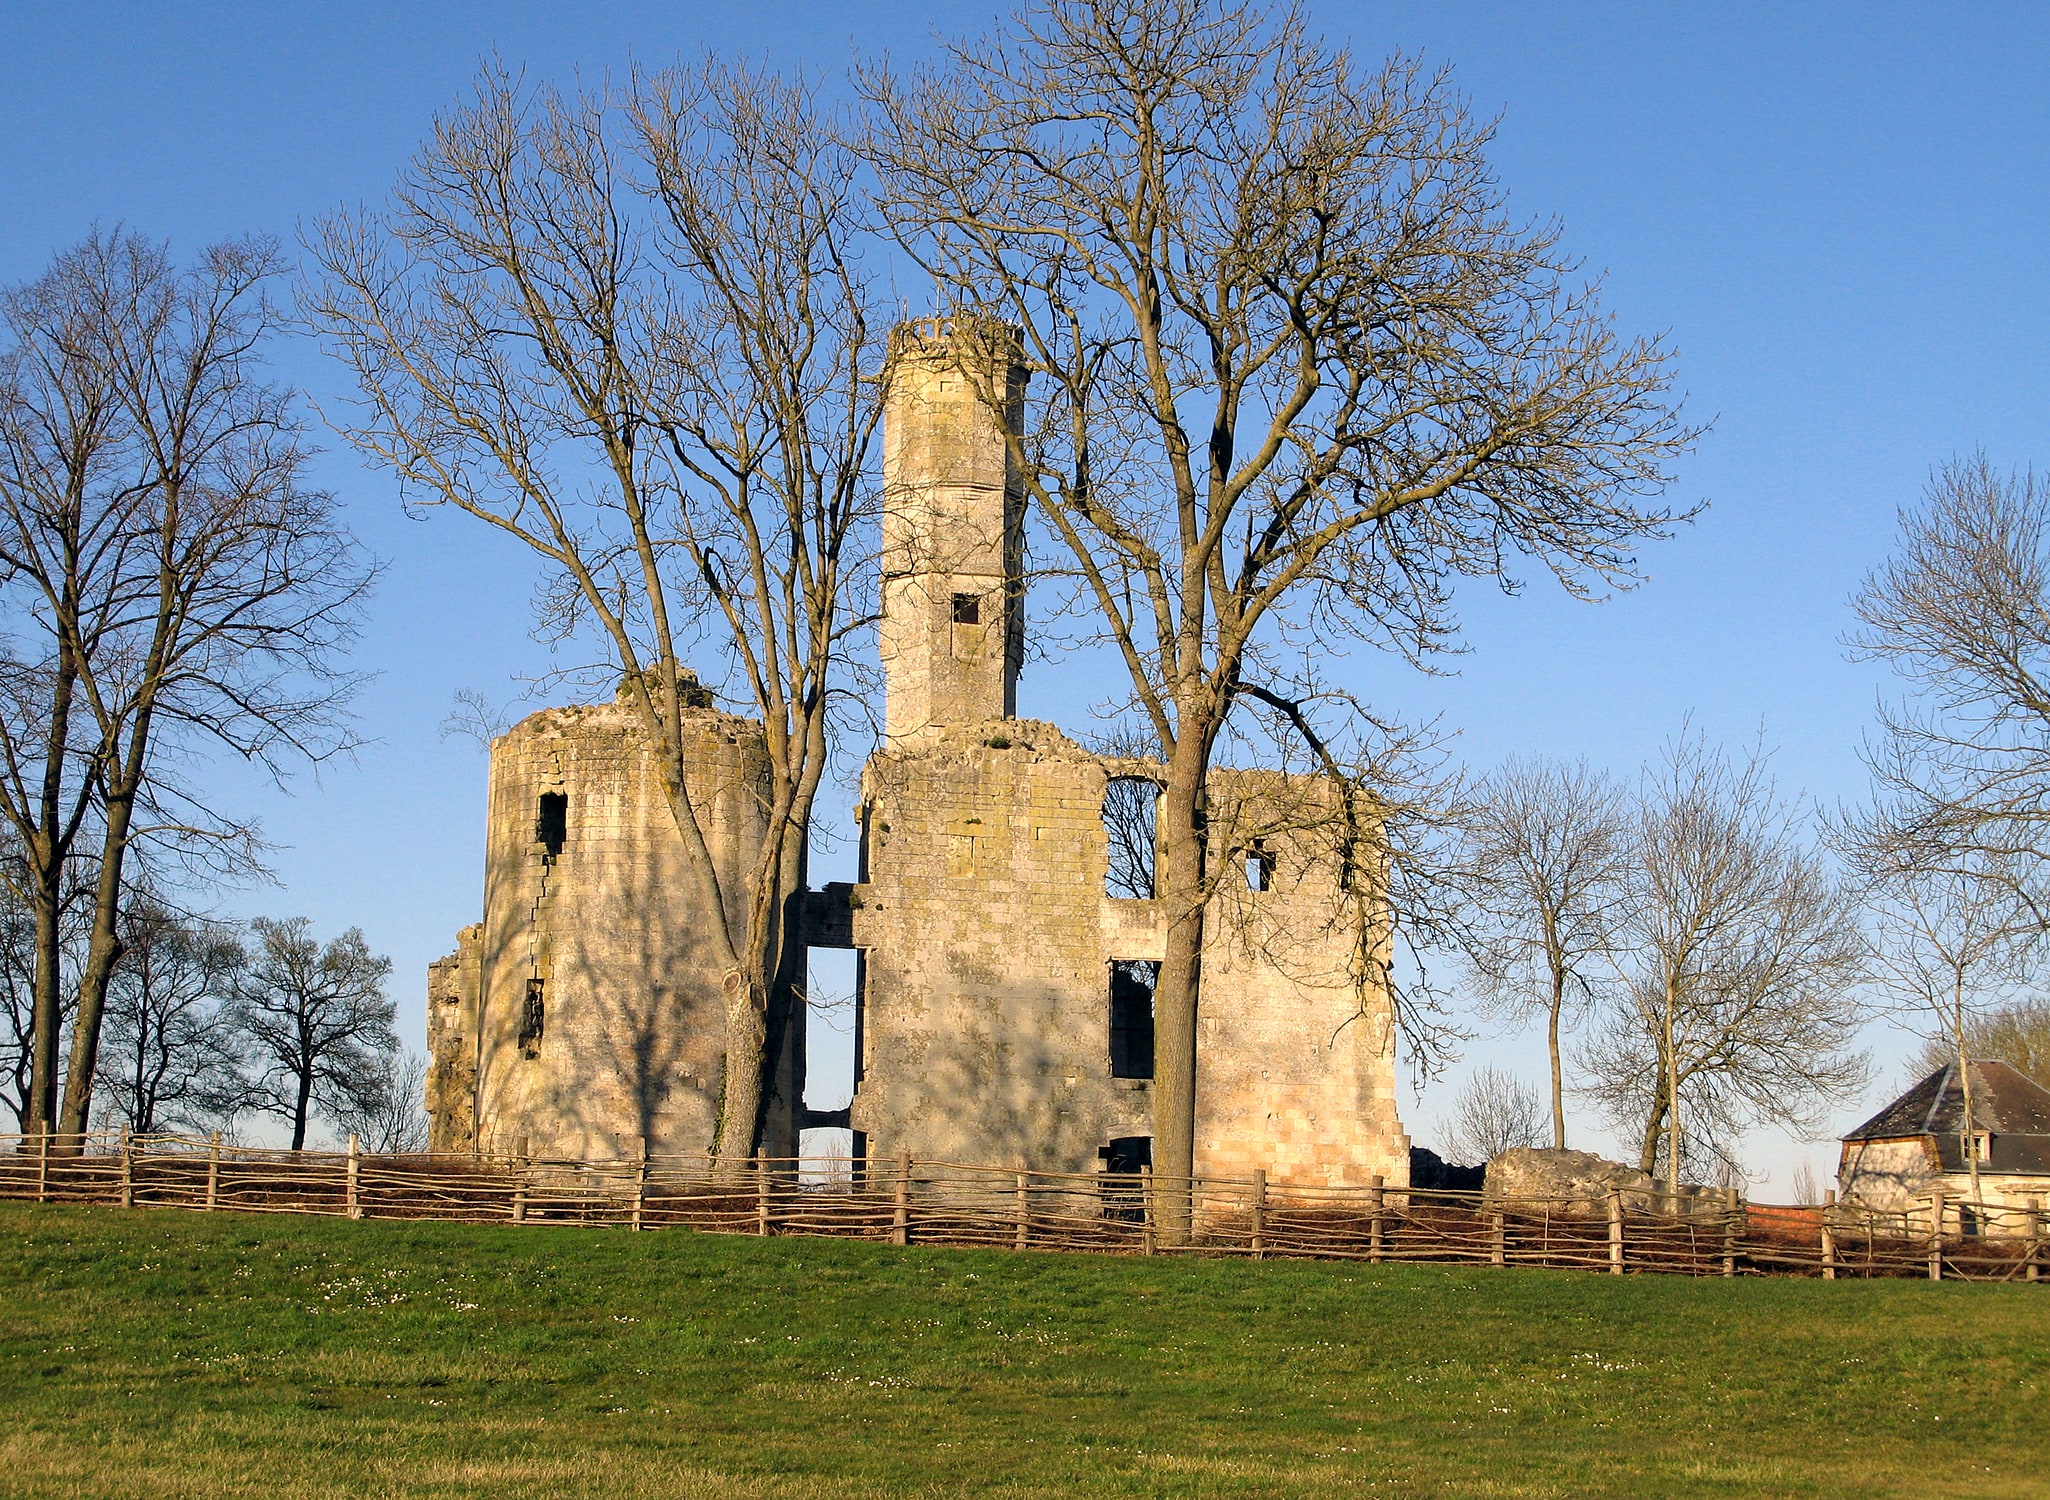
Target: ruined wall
x=453, y=992
x=952, y=633
x=630, y=1036
x=986, y=941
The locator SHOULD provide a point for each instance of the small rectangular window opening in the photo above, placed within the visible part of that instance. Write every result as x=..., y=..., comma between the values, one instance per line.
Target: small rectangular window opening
x=1259, y=868
x=1123, y=1159
x=1132, y=982
x=968, y=609
x=533, y=1015
x=551, y=824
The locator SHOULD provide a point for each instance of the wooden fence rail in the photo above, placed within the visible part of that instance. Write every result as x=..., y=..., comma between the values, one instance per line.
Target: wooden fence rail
x=908, y=1202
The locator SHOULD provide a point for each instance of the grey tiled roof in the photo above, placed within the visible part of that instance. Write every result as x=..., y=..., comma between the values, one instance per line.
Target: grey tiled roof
x=2006, y=1103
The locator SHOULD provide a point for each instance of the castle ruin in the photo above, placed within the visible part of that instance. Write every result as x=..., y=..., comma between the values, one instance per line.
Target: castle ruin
x=1004, y=946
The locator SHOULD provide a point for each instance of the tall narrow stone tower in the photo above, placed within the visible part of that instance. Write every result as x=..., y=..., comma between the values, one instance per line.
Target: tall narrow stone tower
x=952, y=636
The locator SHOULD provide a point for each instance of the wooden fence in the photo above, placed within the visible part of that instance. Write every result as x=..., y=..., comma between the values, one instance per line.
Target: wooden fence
x=904, y=1202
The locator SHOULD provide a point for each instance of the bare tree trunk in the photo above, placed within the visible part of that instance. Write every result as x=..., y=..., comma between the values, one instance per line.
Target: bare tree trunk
x=102, y=954
x=1670, y=1066
x=1968, y=1128
x=1558, y=1075
x=1182, y=893
x=51, y=850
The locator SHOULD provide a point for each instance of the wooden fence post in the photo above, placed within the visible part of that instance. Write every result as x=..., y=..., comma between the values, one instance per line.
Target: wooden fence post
x=1615, y=1232
x=213, y=1171
x=1828, y=1236
x=2031, y=1270
x=519, y=1203
x=1145, y=1208
x=1023, y=1226
x=900, y=1218
x=352, y=1198
x=43, y=1164
x=1377, y=1199
x=1730, y=1211
x=1498, y=1239
x=762, y=1191
x=641, y=1186
x=1259, y=1213
x=127, y=1167
x=1936, y=1235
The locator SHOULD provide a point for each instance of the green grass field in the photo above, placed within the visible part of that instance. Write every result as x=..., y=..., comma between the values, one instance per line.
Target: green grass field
x=161, y=1353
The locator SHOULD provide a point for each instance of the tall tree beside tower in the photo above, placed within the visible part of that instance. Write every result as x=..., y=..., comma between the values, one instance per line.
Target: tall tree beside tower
x=633, y=331
x=1298, y=370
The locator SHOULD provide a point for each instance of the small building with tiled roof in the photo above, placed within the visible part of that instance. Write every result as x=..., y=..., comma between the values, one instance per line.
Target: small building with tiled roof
x=1916, y=1145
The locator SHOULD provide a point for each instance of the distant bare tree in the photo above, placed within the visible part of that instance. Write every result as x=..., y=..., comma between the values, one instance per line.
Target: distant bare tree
x=1493, y=1112
x=634, y=333
x=393, y=1117
x=168, y=1055
x=315, y=1025
x=171, y=581
x=1547, y=854
x=1961, y=612
x=2017, y=1034
x=1740, y=964
x=1298, y=369
x=1950, y=945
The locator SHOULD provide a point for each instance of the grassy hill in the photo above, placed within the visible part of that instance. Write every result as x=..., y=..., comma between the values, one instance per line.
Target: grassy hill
x=159, y=1353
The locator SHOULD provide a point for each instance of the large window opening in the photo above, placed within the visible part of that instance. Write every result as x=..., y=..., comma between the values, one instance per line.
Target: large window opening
x=832, y=1063
x=1259, y=867
x=551, y=823
x=1132, y=982
x=1130, y=812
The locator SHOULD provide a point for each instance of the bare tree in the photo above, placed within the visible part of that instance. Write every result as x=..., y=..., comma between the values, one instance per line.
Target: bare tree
x=391, y=1117
x=168, y=1056
x=1299, y=370
x=183, y=586
x=1493, y=1112
x=666, y=387
x=2017, y=1033
x=315, y=1024
x=1546, y=859
x=1740, y=961
x=1961, y=611
x=1950, y=944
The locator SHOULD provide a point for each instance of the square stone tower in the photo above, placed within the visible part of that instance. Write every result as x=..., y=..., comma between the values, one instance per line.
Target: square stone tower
x=952, y=635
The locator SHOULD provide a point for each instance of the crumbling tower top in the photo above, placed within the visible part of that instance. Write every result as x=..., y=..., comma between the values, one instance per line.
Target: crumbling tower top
x=952, y=635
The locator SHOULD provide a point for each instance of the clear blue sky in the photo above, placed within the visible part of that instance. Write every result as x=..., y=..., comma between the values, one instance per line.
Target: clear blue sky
x=1838, y=213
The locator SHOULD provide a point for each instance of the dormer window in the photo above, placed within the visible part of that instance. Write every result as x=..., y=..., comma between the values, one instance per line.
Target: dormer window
x=1982, y=1145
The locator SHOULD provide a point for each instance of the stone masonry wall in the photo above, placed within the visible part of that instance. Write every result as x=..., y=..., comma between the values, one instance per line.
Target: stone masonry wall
x=985, y=1015
x=631, y=1041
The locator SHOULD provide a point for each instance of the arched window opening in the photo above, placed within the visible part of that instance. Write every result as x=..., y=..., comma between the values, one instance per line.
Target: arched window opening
x=1130, y=808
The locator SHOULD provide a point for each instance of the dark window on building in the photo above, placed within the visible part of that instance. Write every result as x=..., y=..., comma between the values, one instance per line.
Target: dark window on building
x=1130, y=810
x=1123, y=1159
x=968, y=609
x=1132, y=982
x=1259, y=868
x=551, y=825
x=533, y=1015
x=1127, y=1154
